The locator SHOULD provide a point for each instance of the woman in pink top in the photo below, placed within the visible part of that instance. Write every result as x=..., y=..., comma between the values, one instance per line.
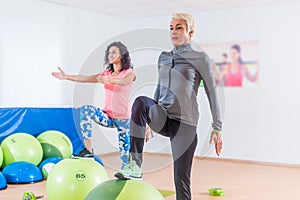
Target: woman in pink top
x=117, y=79
x=234, y=72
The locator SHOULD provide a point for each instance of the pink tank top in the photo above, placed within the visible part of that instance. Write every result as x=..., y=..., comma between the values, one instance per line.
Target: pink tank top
x=117, y=103
x=234, y=79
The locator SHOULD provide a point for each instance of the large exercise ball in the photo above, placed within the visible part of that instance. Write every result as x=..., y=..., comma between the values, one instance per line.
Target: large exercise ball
x=1, y=157
x=21, y=147
x=55, y=144
x=73, y=179
x=124, y=190
x=22, y=172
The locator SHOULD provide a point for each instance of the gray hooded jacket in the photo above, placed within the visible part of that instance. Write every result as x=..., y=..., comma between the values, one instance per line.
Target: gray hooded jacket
x=180, y=74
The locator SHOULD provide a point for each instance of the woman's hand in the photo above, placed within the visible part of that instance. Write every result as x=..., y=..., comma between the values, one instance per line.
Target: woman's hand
x=61, y=75
x=217, y=139
x=103, y=79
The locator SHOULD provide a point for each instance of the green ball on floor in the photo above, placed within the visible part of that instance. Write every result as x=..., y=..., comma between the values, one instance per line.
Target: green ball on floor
x=21, y=147
x=123, y=190
x=73, y=179
x=55, y=144
x=1, y=156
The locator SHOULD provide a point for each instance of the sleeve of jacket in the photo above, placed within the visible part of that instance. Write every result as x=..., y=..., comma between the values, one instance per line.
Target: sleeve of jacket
x=206, y=72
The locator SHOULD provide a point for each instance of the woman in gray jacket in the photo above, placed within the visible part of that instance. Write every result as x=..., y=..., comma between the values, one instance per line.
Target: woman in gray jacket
x=174, y=110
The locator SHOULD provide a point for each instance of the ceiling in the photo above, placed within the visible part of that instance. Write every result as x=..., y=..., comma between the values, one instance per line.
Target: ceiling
x=129, y=9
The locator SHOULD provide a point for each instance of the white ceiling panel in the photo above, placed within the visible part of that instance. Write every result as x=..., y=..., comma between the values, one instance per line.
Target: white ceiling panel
x=150, y=8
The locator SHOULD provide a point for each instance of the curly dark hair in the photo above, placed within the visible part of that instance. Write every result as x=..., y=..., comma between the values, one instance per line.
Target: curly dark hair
x=125, y=58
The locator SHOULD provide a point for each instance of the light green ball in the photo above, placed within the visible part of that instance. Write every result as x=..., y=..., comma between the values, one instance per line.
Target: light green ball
x=124, y=190
x=21, y=147
x=1, y=157
x=73, y=179
x=55, y=144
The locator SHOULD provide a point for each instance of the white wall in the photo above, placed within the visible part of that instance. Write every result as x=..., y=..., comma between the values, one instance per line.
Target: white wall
x=35, y=38
x=260, y=122
x=31, y=44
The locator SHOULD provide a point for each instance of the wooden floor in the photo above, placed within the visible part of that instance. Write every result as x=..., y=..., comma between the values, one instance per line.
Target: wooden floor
x=240, y=180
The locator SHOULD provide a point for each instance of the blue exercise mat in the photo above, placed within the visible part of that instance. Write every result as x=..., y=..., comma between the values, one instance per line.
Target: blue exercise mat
x=37, y=120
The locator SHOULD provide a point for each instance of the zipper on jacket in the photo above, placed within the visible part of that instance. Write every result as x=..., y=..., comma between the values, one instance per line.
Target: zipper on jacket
x=173, y=62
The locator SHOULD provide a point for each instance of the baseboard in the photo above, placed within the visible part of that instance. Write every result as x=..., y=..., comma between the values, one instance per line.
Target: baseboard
x=215, y=159
x=249, y=162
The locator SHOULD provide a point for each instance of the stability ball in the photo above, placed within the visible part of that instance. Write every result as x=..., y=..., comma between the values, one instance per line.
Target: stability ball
x=22, y=172
x=55, y=144
x=1, y=157
x=21, y=147
x=73, y=179
x=124, y=190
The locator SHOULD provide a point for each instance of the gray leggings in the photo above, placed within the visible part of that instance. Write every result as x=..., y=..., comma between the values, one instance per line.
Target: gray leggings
x=183, y=139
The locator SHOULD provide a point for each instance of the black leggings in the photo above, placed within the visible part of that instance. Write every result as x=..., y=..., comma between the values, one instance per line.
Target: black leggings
x=183, y=139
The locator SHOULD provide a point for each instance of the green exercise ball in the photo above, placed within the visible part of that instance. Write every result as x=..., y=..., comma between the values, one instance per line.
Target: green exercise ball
x=73, y=179
x=55, y=144
x=1, y=157
x=124, y=190
x=21, y=147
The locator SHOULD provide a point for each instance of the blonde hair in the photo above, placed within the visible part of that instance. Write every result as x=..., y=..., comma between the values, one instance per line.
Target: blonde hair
x=188, y=18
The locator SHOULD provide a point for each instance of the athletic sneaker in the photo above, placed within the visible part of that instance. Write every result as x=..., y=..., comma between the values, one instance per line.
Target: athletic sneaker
x=130, y=171
x=84, y=153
